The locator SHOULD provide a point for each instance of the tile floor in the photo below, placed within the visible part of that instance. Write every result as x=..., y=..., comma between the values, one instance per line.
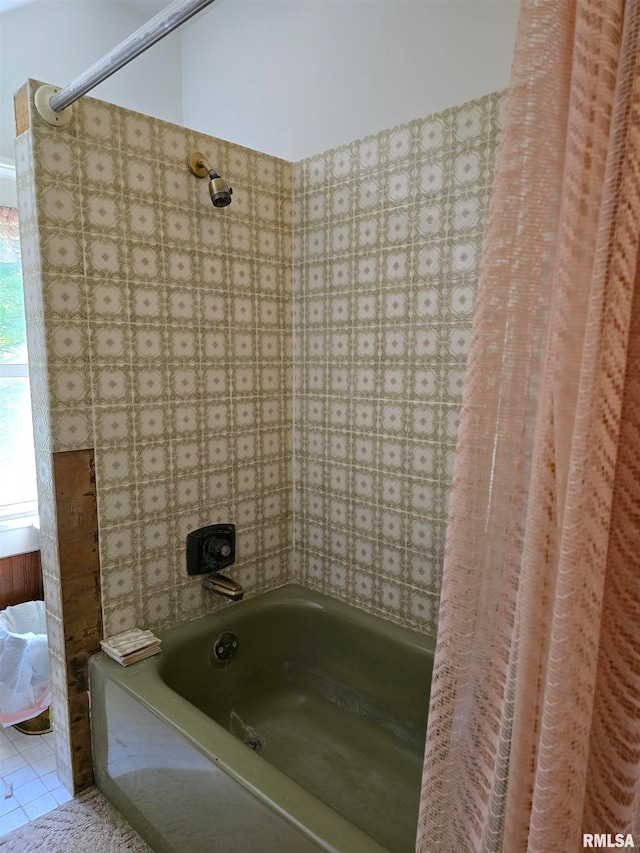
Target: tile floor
x=29, y=786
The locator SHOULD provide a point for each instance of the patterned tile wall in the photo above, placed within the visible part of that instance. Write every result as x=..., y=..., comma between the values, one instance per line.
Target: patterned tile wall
x=167, y=330
x=161, y=334
x=167, y=344
x=34, y=309
x=388, y=234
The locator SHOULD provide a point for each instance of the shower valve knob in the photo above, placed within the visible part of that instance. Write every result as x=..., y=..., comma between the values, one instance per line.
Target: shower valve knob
x=218, y=548
x=211, y=549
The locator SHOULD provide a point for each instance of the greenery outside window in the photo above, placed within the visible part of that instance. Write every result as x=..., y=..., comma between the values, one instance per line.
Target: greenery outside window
x=18, y=495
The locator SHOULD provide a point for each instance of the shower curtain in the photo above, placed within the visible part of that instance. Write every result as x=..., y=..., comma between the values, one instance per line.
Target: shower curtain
x=534, y=723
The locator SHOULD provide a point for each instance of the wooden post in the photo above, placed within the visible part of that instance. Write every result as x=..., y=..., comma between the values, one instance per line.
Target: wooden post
x=75, y=491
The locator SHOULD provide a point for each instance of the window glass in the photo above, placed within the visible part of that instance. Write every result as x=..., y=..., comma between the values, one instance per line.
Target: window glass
x=17, y=461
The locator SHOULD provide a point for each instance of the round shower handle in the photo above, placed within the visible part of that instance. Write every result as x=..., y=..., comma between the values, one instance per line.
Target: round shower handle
x=219, y=549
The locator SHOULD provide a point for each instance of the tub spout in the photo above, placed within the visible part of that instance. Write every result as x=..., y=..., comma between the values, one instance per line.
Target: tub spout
x=223, y=586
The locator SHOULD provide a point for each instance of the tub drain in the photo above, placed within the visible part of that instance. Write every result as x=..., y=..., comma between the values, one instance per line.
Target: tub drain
x=255, y=743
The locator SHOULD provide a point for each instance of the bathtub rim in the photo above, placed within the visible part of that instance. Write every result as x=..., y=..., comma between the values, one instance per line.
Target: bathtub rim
x=283, y=795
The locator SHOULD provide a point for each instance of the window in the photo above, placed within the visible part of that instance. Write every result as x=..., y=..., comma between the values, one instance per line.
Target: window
x=18, y=494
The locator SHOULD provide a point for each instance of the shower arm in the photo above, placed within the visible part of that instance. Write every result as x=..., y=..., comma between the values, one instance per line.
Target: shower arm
x=54, y=101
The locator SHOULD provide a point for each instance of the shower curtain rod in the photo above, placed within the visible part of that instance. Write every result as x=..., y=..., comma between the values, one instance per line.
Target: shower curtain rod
x=147, y=35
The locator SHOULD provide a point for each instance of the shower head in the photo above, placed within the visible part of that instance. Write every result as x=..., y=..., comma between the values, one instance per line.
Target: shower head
x=219, y=189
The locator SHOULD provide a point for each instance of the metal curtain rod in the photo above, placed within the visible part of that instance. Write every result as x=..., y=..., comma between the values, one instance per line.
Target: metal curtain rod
x=147, y=35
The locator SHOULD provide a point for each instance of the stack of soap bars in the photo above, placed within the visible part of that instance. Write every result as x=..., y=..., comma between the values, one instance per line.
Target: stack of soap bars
x=131, y=646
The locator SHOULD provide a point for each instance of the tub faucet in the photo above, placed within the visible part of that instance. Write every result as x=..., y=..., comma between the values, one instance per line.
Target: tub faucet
x=223, y=586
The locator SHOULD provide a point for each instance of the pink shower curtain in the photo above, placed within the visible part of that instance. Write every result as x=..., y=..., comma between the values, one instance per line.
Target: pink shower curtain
x=534, y=723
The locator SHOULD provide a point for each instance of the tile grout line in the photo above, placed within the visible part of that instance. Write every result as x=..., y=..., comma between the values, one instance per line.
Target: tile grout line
x=32, y=784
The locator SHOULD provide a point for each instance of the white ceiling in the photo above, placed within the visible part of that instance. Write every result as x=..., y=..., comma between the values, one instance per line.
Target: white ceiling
x=146, y=8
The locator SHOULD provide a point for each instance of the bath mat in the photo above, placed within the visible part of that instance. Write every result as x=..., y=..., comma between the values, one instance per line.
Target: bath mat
x=88, y=824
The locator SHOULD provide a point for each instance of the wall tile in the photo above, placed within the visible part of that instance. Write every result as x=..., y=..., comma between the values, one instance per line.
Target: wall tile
x=388, y=234
x=168, y=335
x=144, y=344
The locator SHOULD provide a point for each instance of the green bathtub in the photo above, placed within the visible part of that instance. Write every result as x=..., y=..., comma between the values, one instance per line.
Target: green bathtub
x=308, y=737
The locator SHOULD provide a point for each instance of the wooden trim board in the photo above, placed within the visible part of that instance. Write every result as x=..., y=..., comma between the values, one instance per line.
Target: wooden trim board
x=76, y=510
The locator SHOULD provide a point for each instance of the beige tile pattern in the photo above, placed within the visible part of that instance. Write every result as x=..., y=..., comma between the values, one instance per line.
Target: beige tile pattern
x=173, y=360
x=35, y=306
x=388, y=234
x=159, y=334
